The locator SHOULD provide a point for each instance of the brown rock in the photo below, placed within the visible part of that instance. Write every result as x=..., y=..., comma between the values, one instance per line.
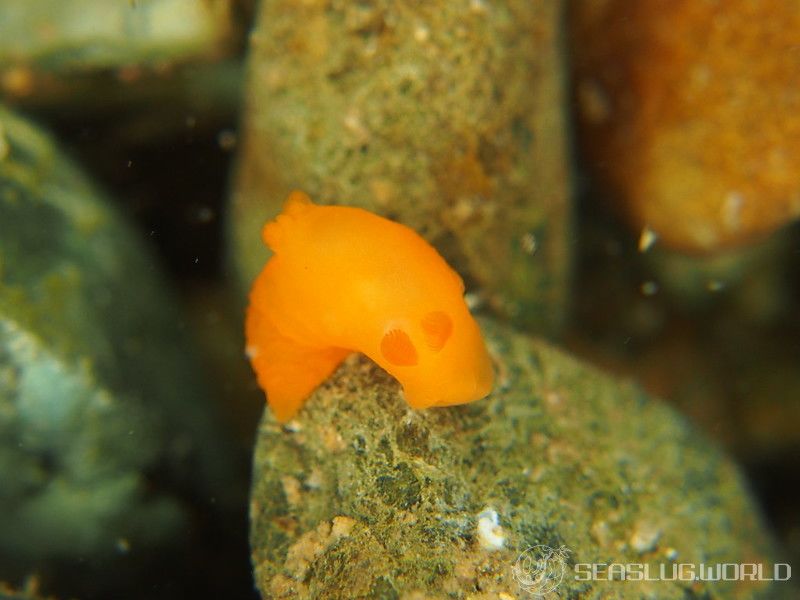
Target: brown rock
x=689, y=111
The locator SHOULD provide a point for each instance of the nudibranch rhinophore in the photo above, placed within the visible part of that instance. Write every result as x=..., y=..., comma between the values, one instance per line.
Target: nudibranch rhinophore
x=344, y=280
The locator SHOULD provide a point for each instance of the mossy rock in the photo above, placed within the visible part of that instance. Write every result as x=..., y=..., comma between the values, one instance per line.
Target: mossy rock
x=361, y=496
x=445, y=116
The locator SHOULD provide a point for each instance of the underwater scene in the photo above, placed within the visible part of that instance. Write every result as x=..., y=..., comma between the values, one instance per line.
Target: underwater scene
x=399, y=299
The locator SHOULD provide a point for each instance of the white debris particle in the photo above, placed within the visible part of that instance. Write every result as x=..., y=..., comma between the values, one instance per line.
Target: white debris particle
x=645, y=537
x=601, y=533
x=293, y=426
x=478, y=7
x=473, y=300
x=315, y=479
x=647, y=238
x=732, y=211
x=292, y=490
x=671, y=553
x=421, y=33
x=529, y=244
x=354, y=124
x=251, y=352
x=490, y=535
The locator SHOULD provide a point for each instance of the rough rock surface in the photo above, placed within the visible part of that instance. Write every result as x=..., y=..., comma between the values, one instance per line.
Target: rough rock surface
x=446, y=116
x=361, y=496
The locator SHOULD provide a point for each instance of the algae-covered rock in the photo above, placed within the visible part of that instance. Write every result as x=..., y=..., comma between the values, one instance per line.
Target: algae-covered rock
x=362, y=497
x=104, y=423
x=446, y=116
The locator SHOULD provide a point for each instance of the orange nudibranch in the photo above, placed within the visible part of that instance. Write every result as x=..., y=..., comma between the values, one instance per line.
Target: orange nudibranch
x=342, y=279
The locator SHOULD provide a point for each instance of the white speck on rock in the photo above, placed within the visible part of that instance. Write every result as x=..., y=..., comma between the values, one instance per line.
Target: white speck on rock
x=732, y=211
x=529, y=244
x=645, y=537
x=601, y=533
x=647, y=238
x=490, y=535
x=478, y=7
x=473, y=300
x=293, y=426
x=421, y=33
x=315, y=479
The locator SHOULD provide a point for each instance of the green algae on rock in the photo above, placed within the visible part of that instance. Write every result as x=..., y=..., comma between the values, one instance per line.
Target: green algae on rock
x=446, y=116
x=103, y=420
x=363, y=497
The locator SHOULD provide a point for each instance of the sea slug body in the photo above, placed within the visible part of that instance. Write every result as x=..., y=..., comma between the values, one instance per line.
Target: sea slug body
x=344, y=280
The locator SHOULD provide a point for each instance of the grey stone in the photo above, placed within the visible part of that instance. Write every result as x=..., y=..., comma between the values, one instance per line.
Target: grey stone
x=94, y=34
x=104, y=421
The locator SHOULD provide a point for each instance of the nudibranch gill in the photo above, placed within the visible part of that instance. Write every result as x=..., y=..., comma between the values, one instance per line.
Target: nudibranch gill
x=344, y=280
